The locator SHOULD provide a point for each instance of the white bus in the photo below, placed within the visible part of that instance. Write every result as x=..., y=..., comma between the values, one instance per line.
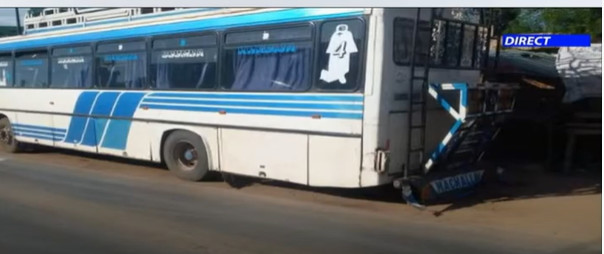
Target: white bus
x=313, y=96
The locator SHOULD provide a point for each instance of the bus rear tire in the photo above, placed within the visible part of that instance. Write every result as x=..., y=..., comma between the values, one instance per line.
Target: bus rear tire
x=8, y=143
x=185, y=155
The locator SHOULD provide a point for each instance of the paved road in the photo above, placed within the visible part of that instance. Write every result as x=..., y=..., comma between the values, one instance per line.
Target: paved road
x=80, y=207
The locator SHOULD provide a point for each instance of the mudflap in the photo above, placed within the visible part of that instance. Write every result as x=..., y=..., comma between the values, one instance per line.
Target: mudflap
x=448, y=185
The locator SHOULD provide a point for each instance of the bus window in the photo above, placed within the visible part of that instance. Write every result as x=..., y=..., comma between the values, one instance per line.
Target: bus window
x=179, y=63
x=403, y=39
x=71, y=67
x=193, y=68
x=341, y=47
x=481, y=47
x=453, y=44
x=467, y=51
x=267, y=60
x=6, y=71
x=121, y=65
x=31, y=70
x=438, y=53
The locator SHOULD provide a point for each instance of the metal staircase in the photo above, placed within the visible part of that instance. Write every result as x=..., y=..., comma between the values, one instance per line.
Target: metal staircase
x=478, y=126
x=480, y=111
x=477, y=110
x=478, y=117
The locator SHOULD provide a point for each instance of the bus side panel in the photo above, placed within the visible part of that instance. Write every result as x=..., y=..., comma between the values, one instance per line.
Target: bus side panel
x=66, y=104
x=274, y=155
x=30, y=124
x=334, y=161
x=209, y=135
x=12, y=116
x=120, y=135
x=137, y=143
x=375, y=112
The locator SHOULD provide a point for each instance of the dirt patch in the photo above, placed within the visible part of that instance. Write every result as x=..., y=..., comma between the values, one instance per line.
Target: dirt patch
x=530, y=200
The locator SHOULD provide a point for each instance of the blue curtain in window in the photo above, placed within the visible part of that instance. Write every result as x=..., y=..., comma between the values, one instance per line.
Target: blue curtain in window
x=182, y=75
x=263, y=70
x=134, y=73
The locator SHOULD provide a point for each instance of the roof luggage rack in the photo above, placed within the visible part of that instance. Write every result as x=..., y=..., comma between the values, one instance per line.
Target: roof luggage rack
x=50, y=18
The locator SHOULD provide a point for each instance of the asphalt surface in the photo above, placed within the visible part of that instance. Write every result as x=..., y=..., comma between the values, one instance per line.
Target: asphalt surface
x=77, y=207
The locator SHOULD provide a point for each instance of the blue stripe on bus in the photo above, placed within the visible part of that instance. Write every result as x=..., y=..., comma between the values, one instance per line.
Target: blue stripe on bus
x=78, y=123
x=116, y=136
x=37, y=127
x=279, y=16
x=102, y=107
x=258, y=111
x=259, y=104
x=37, y=136
x=251, y=96
x=61, y=135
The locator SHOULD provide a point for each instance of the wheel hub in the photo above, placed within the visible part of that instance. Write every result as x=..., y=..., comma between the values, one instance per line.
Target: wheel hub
x=5, y=135
x=186, y=155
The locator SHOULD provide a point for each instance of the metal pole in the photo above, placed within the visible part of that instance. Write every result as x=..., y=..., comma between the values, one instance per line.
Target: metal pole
x=18, y=21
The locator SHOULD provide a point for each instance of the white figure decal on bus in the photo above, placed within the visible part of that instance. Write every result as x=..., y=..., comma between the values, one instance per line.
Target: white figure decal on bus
x=341, y=45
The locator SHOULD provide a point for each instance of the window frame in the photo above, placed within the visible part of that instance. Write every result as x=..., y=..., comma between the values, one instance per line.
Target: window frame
x=152, y=85
x=92, y=65
x=145, y=52
x=224, y=47
x=31, y=51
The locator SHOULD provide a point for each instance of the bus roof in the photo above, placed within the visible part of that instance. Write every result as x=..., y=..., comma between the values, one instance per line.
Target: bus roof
x=191, y=22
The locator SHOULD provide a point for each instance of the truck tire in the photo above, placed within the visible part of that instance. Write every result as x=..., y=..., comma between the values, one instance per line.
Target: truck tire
x=8, y=143
x=185, y=155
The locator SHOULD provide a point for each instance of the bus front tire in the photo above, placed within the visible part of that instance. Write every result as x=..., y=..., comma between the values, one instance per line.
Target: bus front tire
x=185, y=155
x=8, y=143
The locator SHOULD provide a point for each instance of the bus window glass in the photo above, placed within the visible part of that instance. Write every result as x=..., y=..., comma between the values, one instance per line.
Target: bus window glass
x=6, y=71
x=122, y=70
x=467, y=45
x=268, y=67
x=192, y=68
x=403, y=41
x=403, y=28
x=481, y=47
x=71, y=72
x=278, y=59
x=438, y=53
x=453, y=44
x=340, y=54
x=31, y=70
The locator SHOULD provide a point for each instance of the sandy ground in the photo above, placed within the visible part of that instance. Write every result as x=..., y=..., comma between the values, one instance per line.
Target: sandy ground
x=535, y=204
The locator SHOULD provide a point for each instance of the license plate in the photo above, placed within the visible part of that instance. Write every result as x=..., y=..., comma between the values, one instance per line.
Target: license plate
x=457, y=182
